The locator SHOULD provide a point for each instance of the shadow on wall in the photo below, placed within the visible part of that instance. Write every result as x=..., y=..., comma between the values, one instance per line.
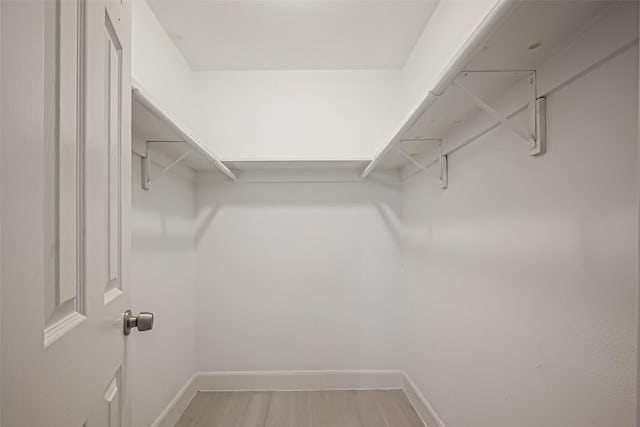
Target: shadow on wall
x=212, y=196
x=163, y=218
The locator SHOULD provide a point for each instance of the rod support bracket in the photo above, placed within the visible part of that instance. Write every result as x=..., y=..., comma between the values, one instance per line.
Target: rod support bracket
x=146, y=164
x=146, y=169
x=442, y=160
x=444, y=171
x=537, y=135
x=540, y=127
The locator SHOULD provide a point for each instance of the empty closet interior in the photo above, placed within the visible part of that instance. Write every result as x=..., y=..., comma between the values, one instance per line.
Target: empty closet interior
x=462, y=226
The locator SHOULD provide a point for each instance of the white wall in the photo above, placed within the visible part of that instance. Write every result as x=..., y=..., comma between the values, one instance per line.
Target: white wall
x=521, y=278
x=161, y=70
x=297, y=114
x=163, y=274
x=297, y=276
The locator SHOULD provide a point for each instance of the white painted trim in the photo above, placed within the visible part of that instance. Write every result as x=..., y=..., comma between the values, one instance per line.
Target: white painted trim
x=58, y=329
x=169, y=417
x=300, y=380
x=424, y=409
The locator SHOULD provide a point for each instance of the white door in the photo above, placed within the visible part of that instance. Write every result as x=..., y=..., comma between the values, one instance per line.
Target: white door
x=65, y=165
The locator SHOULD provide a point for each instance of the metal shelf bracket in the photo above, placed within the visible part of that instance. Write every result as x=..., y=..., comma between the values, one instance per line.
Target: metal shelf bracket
x=146, y=164
x=444, y=171
x=444, y=166
x=536, y=135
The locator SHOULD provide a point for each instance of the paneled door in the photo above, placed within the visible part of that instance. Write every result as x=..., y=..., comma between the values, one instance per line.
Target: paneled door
x=65, y=200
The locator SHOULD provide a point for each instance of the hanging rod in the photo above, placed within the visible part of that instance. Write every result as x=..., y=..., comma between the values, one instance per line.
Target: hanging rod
x=537, y=121
x=499, y=12
x=468, y=141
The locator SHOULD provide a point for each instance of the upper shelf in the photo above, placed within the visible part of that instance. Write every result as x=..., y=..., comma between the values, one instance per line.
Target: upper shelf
x=506, y=49
x=451, y=109
x=298, y=170
x=506, y=52
x=164, y=137
x=163, y=140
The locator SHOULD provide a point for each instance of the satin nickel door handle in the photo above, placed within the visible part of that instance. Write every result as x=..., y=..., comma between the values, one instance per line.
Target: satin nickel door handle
x=143, y=321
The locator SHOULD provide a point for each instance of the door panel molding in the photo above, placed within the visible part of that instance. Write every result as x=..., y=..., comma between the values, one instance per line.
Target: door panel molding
x=112, y=397
x=113, y=130
x=64, y=196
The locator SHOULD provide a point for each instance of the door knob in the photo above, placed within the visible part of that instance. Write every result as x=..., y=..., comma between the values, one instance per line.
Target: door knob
x=143, y=321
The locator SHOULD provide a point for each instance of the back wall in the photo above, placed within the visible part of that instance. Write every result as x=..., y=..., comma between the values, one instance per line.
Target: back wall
x=297, y=276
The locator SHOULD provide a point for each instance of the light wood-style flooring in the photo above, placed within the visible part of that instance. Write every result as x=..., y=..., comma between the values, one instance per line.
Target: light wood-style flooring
x=334, y=408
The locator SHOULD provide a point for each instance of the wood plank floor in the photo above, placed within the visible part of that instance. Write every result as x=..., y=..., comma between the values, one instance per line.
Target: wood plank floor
x=335, y=408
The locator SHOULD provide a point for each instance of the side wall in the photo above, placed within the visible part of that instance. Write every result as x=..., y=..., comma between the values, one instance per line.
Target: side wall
x=160, y=69
x=297, y=276
x=163, y=273
x=521, y=278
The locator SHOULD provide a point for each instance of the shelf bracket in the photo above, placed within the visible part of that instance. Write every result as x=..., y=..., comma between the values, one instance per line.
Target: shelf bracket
x=536, y=136
x=146, y=165
x=444, y=171
x=444, y=168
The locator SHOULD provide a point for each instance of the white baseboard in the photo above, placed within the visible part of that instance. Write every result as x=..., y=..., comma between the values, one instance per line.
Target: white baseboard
x=428, y=415
x=169, y=417
x=297, y=380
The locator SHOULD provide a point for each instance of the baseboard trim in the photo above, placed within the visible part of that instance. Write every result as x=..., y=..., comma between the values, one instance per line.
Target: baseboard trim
x=297, y=380
x=169, y=417
x=426, y=412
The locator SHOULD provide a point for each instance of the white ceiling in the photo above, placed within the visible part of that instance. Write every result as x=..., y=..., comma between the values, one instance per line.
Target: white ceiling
x=293, y=34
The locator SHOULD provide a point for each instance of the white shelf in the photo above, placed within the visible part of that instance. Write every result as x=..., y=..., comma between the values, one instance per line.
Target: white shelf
x=298, y=170
x=450, y=109
x=495, y=59
x=163, y=140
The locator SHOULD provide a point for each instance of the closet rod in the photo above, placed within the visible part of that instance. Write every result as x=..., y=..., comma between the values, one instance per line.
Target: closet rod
x=558, y=85
x=500, y=11
x=468, y=141
x=145, y=100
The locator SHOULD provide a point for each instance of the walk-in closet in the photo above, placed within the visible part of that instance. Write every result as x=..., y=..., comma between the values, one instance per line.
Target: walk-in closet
x=320, y=213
